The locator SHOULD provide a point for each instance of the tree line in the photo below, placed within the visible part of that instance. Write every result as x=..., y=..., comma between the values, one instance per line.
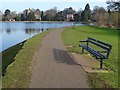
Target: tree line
x=49, y=15
x=100, y=16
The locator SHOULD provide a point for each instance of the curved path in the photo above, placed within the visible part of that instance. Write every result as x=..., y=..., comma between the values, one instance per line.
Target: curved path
x=54, y=67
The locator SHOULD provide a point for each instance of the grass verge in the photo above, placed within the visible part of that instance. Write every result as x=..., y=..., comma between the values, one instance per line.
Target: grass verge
x=71, y=37
x=17, y=61
x=9, y=54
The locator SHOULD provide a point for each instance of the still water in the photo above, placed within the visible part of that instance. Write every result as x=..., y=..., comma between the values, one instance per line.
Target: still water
x=12, y=33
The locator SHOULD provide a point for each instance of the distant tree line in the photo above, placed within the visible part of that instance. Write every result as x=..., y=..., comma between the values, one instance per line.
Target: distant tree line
x=48, y=15
x=99, y=16
x=109, y=17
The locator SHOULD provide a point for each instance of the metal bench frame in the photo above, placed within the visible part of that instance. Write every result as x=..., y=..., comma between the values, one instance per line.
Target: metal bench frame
x=97, y=54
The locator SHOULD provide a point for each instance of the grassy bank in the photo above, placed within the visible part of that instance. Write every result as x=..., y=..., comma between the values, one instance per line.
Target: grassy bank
x=9, y=54
x=71, y=37
x=17, y=61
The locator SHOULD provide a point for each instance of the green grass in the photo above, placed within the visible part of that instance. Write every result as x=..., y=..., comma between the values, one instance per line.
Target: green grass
x=9, y=54
x=71, y=37
x=17, y=62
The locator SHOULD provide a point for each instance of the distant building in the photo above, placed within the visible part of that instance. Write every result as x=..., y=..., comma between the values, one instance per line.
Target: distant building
x=11, y=19
x=70, y=17
x=37, y=14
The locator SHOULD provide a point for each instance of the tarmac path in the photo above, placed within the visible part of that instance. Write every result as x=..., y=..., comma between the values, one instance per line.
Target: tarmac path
x=53, y=67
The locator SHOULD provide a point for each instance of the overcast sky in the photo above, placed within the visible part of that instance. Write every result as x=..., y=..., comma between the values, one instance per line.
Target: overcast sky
x=20, y=5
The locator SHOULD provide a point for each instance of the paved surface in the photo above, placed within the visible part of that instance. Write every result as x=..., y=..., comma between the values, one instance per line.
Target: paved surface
x=89, y=64
x=54, y=67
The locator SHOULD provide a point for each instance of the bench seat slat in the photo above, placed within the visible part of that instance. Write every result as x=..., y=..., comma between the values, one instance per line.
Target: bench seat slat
x=92, y=51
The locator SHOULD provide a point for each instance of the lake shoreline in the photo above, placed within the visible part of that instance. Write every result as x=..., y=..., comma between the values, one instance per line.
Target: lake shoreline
x=37, y=21
x=14, y=32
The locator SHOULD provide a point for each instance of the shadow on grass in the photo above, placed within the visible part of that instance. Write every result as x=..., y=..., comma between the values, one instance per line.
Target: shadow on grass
x=9, y=54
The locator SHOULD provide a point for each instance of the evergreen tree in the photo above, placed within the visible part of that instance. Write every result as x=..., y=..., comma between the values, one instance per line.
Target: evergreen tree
x=83, y=16
x=23, y=17
x=7, y=15
x=86, y=15
x=42, y=16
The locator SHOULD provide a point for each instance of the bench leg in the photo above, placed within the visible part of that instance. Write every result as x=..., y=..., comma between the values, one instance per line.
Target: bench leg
x=101, y=63
x=82, y=50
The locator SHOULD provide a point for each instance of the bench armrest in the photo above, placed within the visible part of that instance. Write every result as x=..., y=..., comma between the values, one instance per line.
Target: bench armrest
x=83, y=41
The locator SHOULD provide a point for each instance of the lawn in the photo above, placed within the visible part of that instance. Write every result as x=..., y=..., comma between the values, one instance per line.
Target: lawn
x=71, y=37
x=17, y=62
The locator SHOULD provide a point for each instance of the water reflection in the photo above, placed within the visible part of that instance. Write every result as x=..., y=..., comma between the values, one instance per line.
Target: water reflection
x=32, y=30
x=26, y=30
x=8, y=30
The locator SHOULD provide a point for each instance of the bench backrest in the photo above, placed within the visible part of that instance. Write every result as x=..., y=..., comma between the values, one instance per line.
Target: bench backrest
x=100, y=44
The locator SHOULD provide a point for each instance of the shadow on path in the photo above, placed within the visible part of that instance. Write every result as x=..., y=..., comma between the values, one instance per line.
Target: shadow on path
x=62, y=56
